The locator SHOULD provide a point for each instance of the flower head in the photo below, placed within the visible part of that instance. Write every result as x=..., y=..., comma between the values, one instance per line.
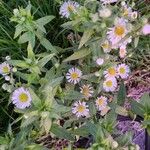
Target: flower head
x=123, y=71
x=122, y=51
x=118, y=32
x=110, y=84
x=21, y=98
x=87, y=91
x=108, y=1
x=110, y=72
x=4, y=68
x=101, y=103
x=80, y=109
x=67, y=8
x=73, y=75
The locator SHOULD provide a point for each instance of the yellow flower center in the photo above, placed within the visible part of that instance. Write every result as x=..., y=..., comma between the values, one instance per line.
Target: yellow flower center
x=74, y=75
x=125, y=12
x=100, y=102
x=112, y=71
x=85, y=91
x=109, y=83
x=122, y=70
x=81, y=108
x=119, y=30
x=5, y=69
x=23, y=97
x=70, y=8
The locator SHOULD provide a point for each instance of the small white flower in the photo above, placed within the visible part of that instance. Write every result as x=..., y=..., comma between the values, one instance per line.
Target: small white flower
x=87, y=91
x=80, y=109
x=7, y=78
x=4, y=68
x=101, y=103
x=146, y=29
x=134, y=15
x=99, y=61
x=123, y=71
x=105, y=12
x=106, y=46
x=122, y=51
x=108, y=1
x=73, y=75
x=110, y=72
x=21, y=98
x=7, y=58
x=67, y=8
x=110, y=84
x=14, y=69
x=123, y=3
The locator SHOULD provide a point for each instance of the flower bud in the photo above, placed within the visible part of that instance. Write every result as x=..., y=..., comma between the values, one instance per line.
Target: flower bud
x=105, y=13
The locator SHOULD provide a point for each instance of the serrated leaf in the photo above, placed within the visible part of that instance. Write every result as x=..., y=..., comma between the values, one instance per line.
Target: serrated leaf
x=121, y=94
x=78, y=54
x=61, y=132
x=86, y=36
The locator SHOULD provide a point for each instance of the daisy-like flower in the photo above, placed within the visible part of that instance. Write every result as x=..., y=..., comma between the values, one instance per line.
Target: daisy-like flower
x=110, y=84
x=67, y=8
x=118, y=32
x=127, y=11
x=73, y=75
x=80, y=109
x=122, y=51
x=4, y=68
x=101, y=103
x=110, y=72
x=99, y=61
x=87, y=91
x=123, y=71
x=21, y=98
x=108, y=1
x=106, y=46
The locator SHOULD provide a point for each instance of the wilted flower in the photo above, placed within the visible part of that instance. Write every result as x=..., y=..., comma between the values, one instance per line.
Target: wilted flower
x=122, y=51
x=4, y=68
x=106, y=46
x=105, y=12
x=67, y=8
x=99, y=61
x=110, y=72
x=123, y=71
x=110, y=84
x=134, y=15
x=146, y=29
x=101, y=102
x=80, y=109
x=87, y=91
x=21, y=98
x=73, y=75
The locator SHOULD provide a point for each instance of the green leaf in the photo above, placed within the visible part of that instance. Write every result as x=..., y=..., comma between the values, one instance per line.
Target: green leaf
x=121, y=111
x=30, y=51
x=82, y=131
x=121, y=94
x=35, y=99
x=78, y=54
x=44, y=20
x=61, y=132
x=18, y=31
x=92, y=108
x=19, y=63
x=45, y=60
x=145, y=101
x=47, y=124
x=86, y=36
x=72, y=95
x=137, y=108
